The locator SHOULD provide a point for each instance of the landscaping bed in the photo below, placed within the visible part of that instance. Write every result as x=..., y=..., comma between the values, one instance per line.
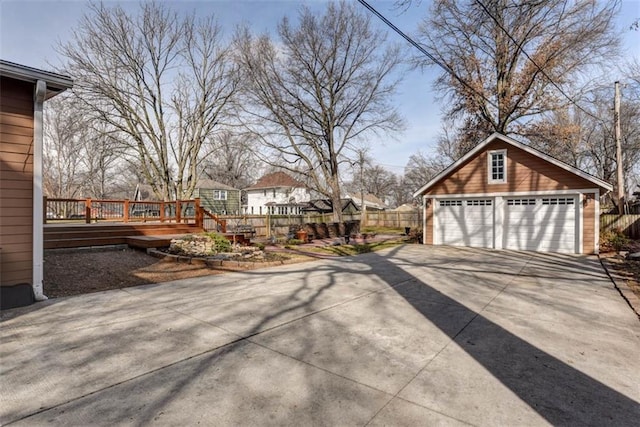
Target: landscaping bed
x=80, y=271
x=77, y=272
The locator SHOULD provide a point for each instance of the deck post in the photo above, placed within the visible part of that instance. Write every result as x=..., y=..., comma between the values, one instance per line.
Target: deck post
x=198, y=212
x=87, y=211
x=178, y=213
x=126, y=210
x=162, y=211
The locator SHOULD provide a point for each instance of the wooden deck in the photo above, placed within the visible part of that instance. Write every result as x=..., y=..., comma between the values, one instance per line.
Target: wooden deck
x=146, y=235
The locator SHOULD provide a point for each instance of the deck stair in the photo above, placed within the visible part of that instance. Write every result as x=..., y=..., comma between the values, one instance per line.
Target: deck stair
x=143, y=235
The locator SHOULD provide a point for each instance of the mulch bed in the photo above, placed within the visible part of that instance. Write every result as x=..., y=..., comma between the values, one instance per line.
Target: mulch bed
x=77, y=272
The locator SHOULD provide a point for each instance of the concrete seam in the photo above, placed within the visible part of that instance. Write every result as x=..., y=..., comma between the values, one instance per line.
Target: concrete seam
x=626, y=293
x=236, y=341
x=450, y=341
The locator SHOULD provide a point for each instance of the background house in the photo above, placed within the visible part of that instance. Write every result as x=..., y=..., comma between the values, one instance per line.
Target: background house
x=218, y=198
x=371, y=202
x=506, y=195
x=325, y=206
x=278, y=194
x=24, y=90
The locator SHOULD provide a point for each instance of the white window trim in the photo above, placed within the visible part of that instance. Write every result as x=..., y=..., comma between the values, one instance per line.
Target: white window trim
x=490, y=166
x=220, y=193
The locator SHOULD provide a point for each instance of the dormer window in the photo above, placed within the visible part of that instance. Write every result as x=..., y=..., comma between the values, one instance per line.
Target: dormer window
x=497, y=166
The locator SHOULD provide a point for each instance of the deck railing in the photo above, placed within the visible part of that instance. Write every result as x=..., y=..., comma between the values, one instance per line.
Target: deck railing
x=90, y=210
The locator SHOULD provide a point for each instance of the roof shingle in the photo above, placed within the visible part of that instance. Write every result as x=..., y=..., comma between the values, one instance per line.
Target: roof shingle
x=276, y=180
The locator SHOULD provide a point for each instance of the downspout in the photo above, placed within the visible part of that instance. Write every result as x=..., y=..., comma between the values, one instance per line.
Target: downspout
x=424, y=219
x=38, y=208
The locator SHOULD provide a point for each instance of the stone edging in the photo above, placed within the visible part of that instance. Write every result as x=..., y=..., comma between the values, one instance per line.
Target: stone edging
x=621, y=285
x=217, y=263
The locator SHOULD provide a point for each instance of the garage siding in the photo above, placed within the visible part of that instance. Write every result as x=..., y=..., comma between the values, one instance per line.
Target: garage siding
x=16, y=181
x=428, y=232
x=589, y=224
x=525, y=172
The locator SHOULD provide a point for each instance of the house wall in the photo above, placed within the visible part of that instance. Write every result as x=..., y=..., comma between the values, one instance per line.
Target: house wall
x=231, y=206
x=257, y=198
x=525, y=172
x=16, y=182
x=428, y=215
x=589, y=224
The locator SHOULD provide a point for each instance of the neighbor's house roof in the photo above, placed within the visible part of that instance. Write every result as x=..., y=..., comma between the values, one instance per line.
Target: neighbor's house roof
x=370, y=201
x=325, y=205
x=210, y=184
x=56, y=83
x=276, y=180
x=478, y=149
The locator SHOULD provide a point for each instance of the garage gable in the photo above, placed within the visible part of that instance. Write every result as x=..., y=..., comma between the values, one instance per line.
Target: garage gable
x=526, y=169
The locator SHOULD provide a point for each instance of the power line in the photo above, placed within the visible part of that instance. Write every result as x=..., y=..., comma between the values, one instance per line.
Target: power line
x=425, y=52
x=504, y=30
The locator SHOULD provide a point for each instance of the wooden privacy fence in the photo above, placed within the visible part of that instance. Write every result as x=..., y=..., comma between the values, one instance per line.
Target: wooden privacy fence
x=628, y=224
x=279, y=225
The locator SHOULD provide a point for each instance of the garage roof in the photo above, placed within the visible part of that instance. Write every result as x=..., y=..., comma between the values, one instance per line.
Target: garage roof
x=478, y=148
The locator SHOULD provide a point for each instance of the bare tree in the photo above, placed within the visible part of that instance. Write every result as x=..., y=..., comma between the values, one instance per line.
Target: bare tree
x=232, y=160
x=162, y=81
x=508, y=61
x=101, y=161
x=64, y=136
x=322, y=88
x=421, y=168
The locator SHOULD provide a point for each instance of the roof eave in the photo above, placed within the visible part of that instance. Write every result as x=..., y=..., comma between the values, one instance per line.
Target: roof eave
x=56, y=83
x=600, y=183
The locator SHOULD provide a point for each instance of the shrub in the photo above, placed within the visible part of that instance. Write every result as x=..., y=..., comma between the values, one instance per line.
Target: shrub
x=362, y=248
x=295, y=242
x=614, y=239
x=220, y=243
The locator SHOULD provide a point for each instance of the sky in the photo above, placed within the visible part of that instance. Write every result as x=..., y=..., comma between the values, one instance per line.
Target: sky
x=31, y=29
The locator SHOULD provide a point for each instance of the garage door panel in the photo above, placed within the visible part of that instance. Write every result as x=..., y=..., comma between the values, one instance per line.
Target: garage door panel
x=540, y=224
x=466, y=222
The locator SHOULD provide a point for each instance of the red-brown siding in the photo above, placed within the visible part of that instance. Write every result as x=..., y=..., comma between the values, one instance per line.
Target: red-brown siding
x=428, y=215
x=589, y=224
x=16, y=181
x=525, y=172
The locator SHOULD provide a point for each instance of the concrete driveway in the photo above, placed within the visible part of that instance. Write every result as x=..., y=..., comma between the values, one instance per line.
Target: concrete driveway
x=415, y=335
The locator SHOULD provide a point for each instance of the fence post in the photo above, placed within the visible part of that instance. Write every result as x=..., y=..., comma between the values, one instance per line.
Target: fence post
x=87, y=211
x=198, y=212
x=125, y=214
x=178, y=212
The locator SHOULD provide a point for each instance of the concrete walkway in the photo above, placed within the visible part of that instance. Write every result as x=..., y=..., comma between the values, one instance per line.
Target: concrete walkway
x=415, y=335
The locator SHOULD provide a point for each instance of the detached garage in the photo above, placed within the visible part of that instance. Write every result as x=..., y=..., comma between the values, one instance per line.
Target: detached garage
x=506, y=195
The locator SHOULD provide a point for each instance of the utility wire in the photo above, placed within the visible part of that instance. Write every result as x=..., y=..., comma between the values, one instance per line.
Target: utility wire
x=455, y=76
x=504, y=30
x=425, y=52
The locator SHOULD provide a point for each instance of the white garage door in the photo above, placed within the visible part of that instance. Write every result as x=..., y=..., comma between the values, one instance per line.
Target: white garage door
x=465, y=222
x=546, y=224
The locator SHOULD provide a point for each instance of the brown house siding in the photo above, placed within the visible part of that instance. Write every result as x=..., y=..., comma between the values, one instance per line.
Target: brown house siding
x=16, y=181
x=428, y=215
x=589, y=224
x=525, y=172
